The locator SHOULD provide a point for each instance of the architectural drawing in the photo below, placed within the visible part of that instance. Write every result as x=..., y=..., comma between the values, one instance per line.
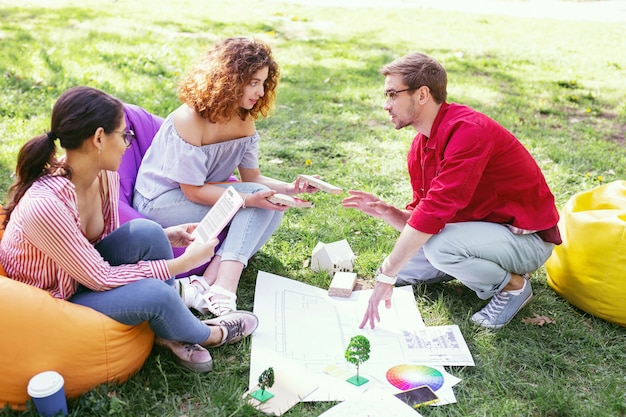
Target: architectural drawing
x=306, y=332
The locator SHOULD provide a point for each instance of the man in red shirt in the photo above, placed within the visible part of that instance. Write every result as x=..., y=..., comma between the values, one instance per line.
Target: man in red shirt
x=482, y=211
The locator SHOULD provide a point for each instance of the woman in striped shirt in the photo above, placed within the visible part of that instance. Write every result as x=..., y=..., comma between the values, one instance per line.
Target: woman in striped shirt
x=62, y=233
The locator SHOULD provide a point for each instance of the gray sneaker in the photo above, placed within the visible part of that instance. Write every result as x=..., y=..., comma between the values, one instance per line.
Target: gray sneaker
x=502, y=307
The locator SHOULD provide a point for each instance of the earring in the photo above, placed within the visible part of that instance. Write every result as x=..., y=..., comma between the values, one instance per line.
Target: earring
x=99, y=158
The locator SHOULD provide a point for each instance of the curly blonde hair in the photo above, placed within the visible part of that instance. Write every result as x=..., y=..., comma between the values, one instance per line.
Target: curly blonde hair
x=215, y=84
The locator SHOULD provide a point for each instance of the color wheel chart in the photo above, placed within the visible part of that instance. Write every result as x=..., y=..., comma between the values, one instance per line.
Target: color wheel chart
x=405, y=377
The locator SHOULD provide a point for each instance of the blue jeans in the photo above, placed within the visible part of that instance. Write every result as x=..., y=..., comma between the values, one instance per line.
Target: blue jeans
x=481, y=255
x=150, y=299
x=248, y=230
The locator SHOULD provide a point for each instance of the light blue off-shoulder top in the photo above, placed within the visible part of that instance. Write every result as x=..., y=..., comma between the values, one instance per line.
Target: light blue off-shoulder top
x=170, y=161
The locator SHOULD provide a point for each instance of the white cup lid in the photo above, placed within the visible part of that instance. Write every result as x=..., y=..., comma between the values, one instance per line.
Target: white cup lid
x=45, y=384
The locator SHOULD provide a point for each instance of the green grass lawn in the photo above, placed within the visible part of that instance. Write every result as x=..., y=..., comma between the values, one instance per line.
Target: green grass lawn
x=560, y=86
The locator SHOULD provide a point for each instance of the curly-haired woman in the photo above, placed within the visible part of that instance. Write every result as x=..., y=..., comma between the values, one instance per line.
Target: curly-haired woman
x=198, y=148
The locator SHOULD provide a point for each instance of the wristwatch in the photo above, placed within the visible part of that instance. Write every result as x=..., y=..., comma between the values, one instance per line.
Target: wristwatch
x=385, y=279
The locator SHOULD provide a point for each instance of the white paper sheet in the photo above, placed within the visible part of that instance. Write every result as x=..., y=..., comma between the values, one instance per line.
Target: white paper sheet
x=372, y=404
x=301, y=325
x=289, y=388
x=439, y=345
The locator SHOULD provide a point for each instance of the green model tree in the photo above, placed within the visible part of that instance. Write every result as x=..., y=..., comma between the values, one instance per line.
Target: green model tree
x=266, y=379
x=358, y=351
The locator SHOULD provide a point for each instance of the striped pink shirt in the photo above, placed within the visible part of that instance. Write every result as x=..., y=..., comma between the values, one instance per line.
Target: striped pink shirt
x=44, y=246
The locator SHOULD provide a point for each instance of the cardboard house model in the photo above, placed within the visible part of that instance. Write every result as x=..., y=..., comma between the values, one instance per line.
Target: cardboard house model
x=332, y=257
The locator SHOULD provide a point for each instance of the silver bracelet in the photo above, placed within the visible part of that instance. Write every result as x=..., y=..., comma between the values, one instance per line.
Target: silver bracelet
x=245, y=197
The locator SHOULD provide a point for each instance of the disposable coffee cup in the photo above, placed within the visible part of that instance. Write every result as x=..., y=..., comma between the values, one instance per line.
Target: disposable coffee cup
x=48, y=393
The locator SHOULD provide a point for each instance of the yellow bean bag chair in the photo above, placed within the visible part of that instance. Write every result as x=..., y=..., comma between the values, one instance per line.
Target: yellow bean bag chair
x=589, y=268
x=42, y=333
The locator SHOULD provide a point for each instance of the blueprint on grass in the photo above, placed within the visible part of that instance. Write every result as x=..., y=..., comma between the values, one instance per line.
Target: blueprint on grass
x=303, y=329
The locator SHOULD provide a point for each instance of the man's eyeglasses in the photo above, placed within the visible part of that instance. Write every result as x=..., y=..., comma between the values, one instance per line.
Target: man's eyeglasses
x=392, y=94
x=128, y=136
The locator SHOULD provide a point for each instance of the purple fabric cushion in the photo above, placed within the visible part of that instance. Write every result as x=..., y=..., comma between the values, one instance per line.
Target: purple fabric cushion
x=145, y=125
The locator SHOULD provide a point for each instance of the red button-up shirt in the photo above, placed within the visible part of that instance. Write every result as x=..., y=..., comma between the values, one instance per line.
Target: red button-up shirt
x=473, y=169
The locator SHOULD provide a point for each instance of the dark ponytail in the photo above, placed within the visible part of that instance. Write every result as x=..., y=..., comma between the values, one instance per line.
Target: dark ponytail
x=76, y=116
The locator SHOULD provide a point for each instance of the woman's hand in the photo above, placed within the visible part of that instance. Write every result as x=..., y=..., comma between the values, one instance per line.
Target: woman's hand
x=195, y=255
x=181, y=235
x=301, y=185
x=259, y=199
x=200, y=253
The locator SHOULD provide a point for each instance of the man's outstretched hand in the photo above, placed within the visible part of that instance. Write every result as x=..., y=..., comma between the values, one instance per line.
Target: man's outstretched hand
x=382, y=292
x=366, y=202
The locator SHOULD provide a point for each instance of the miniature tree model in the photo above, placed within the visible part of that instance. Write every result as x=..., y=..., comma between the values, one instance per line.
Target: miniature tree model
x=358, y=351
x=266, y=380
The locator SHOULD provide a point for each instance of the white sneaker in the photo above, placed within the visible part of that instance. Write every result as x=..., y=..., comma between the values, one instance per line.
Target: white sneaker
x=219, y=300
x=191, y=290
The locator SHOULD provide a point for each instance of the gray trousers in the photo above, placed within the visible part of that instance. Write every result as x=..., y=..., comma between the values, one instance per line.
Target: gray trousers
x=481, y=255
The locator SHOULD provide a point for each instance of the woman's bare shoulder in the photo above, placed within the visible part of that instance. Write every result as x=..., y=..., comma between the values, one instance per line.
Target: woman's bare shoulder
x=189, y=125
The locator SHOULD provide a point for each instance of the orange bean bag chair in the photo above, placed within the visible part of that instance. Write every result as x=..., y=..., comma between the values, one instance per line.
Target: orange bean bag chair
x=589, y=268
x=42, y=333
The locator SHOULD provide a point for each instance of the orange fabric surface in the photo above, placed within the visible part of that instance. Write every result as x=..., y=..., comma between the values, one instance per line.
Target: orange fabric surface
x=42, y=333
x=2, y=271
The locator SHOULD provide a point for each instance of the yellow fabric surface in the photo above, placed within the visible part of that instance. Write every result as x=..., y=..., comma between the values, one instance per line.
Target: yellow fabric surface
x=42, y=333
x=589, y=268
